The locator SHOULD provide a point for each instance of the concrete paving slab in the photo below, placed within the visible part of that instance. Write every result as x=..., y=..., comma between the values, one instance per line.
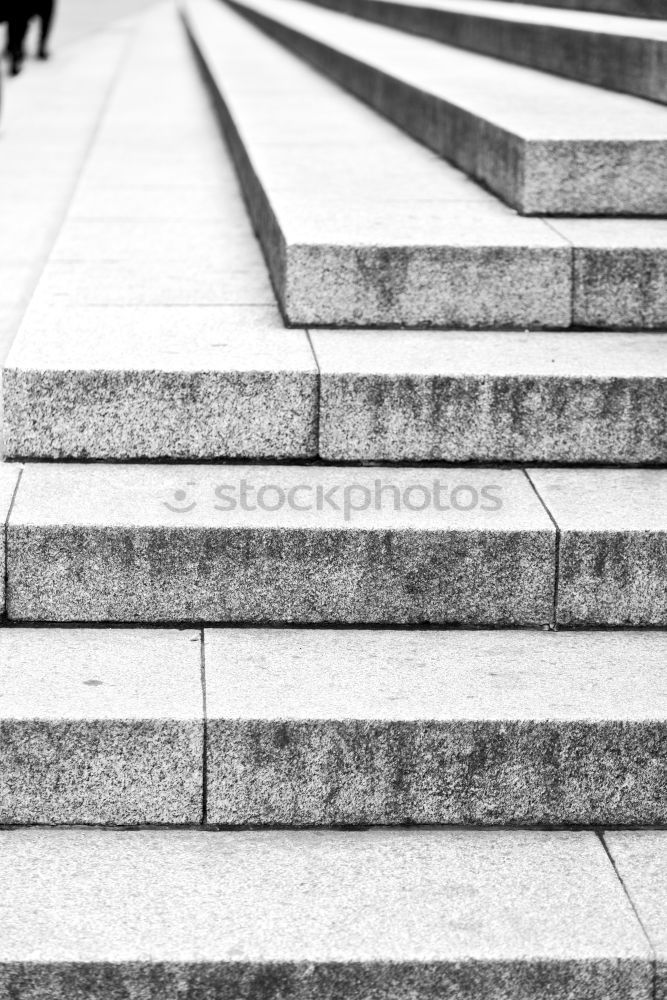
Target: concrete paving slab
x=215, y=244
x=100, y=726
x=570, y=149
x=351, y=266
x=466, y=396
x=146, y=282
x=279, y=544
x=160, y=383
x=320, y=727
x=154, y=202
x=413, y=914
x=613, y=543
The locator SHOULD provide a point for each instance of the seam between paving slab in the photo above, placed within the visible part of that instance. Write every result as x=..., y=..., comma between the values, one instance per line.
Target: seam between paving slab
x=526, y=472
x=600, y=833
x=318, y=383
x=573, y=254
x=3, y=610
x=204, y=797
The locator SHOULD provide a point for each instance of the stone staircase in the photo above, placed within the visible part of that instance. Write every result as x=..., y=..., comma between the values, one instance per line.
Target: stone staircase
x=333, y=662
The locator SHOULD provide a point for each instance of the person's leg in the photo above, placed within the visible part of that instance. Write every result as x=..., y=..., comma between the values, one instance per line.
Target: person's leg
x=18, y=28
x=46, y=17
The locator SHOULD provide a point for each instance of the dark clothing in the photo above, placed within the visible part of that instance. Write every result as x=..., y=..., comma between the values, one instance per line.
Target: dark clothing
x=18, y=14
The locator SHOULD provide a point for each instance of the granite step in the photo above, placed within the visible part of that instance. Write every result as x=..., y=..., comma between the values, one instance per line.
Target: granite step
x=256, y=544
x=329, y=727
x=545, y=145
x=151, y=382
x=101, y=726
x=331, y=189
x=491, y=397
x=153, y=332
x=618, y=53
x=398, y=913
x=612, y=545
x=310, y=727
x=618, y=272
x=473, y=546
x=361, y=226
x=200, y=383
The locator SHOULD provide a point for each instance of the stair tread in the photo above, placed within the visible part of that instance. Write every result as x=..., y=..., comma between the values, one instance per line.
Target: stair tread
x=457, y=675
x=543, y=143
x=232, y=908
x=640, y=858
x=127, y=254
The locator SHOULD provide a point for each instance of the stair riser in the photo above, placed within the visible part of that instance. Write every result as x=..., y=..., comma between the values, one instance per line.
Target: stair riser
x=322, y=773
x=139, y=575
x=631, y=8
x=631, y=65
x=152, y=415
x=129, y=415
x=364, y=772
x=373, y=418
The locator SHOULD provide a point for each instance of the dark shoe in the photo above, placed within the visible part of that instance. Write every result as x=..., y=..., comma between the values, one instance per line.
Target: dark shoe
x=43, y=54
x=16, y=67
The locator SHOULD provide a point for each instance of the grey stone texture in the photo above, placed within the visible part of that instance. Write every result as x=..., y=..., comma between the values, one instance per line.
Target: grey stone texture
x=605, y=50
x=279, y=544
x=9, y=476
x=571, y=149
x=640, y=857
x=319, y=727
x=312, y=915
x=612, y=567
x=148, y=282
x=157, y=133
x=628, y=8
x=619, y=272
x=341, y=257
x=100, y=726
x=152, y=382
x=466, y=396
